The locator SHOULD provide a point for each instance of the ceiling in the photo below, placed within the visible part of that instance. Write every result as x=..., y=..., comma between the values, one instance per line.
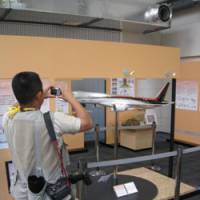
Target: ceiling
x=121, y=9
x=99, y=14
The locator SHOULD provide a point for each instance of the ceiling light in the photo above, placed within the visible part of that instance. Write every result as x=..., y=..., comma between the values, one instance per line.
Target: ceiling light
x=159, y=12
x=132, y=73
x=170, y=75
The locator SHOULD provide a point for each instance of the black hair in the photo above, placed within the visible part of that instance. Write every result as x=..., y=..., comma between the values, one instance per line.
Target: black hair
x=25, y=86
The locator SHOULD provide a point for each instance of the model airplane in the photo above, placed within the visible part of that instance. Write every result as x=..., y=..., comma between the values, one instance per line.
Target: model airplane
x=122, y=103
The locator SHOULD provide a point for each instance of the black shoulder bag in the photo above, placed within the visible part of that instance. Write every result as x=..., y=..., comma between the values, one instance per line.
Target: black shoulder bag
x=62, y=187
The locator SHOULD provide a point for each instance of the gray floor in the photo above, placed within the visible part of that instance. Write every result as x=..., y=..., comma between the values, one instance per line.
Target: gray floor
x=190, y=167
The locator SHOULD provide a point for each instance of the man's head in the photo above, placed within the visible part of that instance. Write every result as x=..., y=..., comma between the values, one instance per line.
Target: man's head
x=27, y=87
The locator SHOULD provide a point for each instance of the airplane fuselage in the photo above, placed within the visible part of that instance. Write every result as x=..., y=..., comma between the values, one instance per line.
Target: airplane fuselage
x=120, y=104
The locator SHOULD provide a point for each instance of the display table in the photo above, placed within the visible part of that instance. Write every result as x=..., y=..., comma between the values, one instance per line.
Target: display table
x=150, y=184
x=104, y=190
x=164, y=184
x=137, y=137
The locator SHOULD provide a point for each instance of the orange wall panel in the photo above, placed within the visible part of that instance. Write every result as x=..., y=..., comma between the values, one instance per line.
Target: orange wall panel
x=66, y=58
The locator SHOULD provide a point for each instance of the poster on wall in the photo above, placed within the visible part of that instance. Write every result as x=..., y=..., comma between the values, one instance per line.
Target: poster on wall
x=123, y=86
x=187, y=95
x=61, y=105
x=6, y=99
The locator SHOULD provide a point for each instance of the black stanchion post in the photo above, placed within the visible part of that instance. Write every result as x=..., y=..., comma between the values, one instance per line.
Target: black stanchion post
x=154, y=138
x=97, y=130
x=153, y=166
x=116, y=141
x=172, y=127
x=97, y=172
x=80, y=184
x=178, y=173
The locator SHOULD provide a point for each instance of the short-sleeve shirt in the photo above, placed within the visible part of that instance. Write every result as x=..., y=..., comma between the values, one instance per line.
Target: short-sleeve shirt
x=20, y=132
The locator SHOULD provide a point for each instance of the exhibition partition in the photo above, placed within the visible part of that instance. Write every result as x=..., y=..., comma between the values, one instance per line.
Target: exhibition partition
x=187, y=129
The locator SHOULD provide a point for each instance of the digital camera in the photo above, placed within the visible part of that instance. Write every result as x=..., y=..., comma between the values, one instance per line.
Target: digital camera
x=55, y=91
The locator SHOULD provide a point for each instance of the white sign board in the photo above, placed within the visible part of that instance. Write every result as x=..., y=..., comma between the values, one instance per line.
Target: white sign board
x=150, y=116
x=187, y=95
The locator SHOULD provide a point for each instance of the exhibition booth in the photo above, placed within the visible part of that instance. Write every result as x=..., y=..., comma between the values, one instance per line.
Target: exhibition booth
x=65, y=62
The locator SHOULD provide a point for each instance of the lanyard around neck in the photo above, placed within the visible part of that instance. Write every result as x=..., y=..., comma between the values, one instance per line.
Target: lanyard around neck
x=27, y=109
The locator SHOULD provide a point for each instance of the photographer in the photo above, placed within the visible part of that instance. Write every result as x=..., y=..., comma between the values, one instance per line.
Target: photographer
x=25, y=120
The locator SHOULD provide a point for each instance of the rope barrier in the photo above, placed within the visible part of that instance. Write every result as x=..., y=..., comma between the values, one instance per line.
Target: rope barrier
x=125, y=161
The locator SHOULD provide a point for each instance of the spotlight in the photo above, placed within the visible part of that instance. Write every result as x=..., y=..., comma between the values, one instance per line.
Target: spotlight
x=174, y=74
x=132, y=73
x=128, y=73
x=159, y=12
x=169, y=75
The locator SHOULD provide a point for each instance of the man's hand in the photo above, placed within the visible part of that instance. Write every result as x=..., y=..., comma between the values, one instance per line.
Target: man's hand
x=66, y=95
x=47, y=94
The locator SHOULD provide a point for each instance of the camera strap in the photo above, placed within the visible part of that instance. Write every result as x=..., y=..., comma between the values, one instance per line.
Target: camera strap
x=50, y=128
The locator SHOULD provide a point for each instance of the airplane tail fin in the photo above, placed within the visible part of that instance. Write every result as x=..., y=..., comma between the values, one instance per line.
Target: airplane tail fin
x=162, y=93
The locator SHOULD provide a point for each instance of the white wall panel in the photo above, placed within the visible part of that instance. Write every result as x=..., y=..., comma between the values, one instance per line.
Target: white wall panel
x=150, y=88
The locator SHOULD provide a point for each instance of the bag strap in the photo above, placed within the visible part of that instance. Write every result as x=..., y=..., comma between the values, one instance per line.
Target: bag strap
x=51, y=132
x=38, y=169
x=49, y=126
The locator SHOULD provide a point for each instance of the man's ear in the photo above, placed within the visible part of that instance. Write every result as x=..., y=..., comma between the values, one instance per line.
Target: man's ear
x=39, y=96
